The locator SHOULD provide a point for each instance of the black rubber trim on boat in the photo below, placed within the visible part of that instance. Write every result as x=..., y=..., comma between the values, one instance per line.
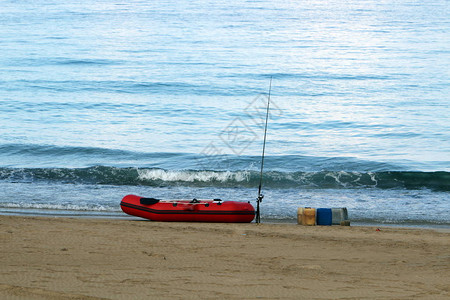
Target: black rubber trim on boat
x=148, y=201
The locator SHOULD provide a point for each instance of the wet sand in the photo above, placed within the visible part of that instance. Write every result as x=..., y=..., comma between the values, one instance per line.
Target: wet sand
x=76, y=258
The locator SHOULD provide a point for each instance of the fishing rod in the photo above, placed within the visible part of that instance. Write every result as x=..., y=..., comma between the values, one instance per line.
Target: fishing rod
x=261, y=196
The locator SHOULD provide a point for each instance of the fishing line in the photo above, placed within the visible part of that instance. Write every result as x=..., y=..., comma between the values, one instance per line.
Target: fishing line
x=261, y=196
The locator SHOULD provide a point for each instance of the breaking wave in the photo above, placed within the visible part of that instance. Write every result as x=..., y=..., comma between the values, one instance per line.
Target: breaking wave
x=439, y=181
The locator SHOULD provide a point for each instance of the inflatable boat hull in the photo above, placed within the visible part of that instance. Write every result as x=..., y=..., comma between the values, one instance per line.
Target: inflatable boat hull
x=188, y=210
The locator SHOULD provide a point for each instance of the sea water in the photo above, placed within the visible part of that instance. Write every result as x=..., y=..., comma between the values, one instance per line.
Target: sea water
x=167, y=99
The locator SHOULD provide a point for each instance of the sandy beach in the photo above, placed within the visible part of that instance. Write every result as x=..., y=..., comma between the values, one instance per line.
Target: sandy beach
x=76, y=258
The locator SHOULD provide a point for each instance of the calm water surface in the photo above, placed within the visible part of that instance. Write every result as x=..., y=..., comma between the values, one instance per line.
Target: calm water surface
x=166, y=99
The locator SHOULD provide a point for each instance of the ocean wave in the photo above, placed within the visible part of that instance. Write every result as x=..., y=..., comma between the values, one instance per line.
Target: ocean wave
x=193, y=176
x=60, y=206
x=103, y=175
x=25, y=155
x=129, y=86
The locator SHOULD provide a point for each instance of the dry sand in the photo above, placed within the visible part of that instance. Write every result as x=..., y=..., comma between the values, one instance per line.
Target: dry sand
x=74, y=258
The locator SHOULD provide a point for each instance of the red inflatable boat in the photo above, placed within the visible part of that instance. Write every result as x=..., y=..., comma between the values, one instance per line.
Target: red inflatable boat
x=188, y=210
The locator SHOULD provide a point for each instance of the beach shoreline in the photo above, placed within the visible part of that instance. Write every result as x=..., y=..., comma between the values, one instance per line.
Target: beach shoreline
x=91, y=258
x=445, y=227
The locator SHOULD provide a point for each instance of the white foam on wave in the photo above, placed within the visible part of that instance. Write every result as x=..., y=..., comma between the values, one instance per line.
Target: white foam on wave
x=52, y=206
x=349, y=179
x=193, y=176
